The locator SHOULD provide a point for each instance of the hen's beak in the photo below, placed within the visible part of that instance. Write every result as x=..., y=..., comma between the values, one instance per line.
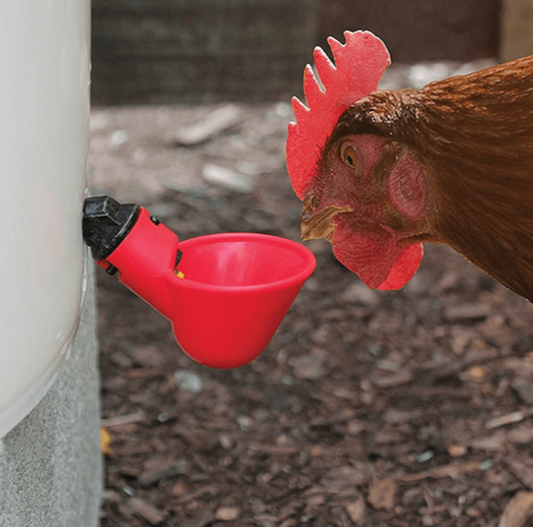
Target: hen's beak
x=319, y=224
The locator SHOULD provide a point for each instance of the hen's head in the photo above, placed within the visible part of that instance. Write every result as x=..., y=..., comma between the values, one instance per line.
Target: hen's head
x=362, y=190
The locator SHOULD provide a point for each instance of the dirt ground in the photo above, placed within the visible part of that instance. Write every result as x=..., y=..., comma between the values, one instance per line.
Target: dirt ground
x=367, y=408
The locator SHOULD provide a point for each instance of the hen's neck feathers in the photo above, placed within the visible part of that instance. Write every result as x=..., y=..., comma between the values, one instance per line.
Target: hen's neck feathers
x=473, y=135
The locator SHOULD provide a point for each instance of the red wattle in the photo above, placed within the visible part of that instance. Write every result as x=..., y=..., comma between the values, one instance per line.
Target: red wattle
x=376, y=257
x=404, y=268
x=369, y=256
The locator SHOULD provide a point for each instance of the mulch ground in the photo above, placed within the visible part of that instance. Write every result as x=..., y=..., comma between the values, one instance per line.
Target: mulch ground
x=367, y=408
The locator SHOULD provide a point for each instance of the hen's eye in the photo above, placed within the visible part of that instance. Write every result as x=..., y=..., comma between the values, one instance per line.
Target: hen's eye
x=349, y=155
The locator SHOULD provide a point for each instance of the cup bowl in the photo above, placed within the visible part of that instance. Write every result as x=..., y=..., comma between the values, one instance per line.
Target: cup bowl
x=232, y=292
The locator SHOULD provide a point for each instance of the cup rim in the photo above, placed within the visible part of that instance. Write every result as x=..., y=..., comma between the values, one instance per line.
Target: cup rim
x=298, y=278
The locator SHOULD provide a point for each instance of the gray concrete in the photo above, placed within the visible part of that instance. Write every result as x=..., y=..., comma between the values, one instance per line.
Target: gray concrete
x=50, y=464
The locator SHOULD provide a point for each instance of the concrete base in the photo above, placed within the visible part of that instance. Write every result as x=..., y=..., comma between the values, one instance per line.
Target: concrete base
x=50, y=464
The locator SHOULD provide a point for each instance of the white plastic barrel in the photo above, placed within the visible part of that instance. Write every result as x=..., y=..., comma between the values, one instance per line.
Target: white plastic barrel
x=44, y=112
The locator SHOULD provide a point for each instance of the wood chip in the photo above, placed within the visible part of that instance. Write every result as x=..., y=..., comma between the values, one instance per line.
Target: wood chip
x=442, y=472
x=123, y=419
x=198, y=494
x=308, y=367
x=217, y=122
x=338, y=479
x=179, y=489
x=382, y=493
x=151, y=514
x=266, y=520
x=522, y=386
x=457, y=450
x=274, y=450
x=227, y=178
x=290, y=522
x=474, y=373
x=461, y=338
x=394, y=416
x=227, y=514
x=514, y=417
x=466, y=312
x=494, y=442
x=162, y=470
x=391, y=381
x=521, y=367
x=317, y=451
x=522, y=436
x=521, y=471
x=147, y=356
x=141, y=373
x=517, y=510
x=336, y=419
x=203, y=518
x=313, y=505
x=356, y=511
x=359, y=293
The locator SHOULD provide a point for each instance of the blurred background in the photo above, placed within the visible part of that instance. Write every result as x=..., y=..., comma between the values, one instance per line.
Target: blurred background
x=253, y=50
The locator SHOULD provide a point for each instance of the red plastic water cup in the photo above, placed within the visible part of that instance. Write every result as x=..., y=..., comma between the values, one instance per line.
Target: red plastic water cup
x=236, y=289
x=227, y=294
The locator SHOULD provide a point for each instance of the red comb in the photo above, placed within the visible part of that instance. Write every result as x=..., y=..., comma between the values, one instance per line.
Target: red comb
x=359, y=66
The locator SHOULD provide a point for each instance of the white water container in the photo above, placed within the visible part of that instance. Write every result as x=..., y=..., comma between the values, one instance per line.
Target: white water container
x=44, y=113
